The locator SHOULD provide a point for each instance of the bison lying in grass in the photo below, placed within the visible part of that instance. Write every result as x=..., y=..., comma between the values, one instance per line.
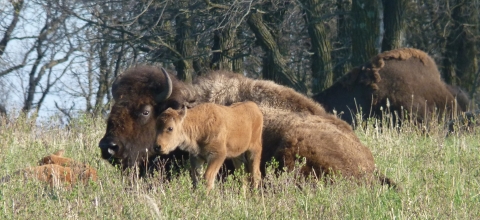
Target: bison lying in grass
x=57, y=170
x=127, y=121
x=211, y=133
x=294, y=126
x=396, y=81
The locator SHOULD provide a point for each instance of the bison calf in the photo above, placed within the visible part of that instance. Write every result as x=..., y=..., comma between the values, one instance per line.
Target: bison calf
x=57, y=170
x=211, y=133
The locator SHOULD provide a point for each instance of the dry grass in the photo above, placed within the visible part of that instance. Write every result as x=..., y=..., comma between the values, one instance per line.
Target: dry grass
x=440, y=177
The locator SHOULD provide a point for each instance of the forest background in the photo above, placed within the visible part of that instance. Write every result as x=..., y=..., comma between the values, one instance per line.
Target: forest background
x=60, y=57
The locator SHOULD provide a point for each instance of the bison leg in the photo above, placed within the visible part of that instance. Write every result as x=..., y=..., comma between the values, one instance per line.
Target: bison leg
x=195, y=169
x=239, y=161
x=254, y=157
x=215, y=161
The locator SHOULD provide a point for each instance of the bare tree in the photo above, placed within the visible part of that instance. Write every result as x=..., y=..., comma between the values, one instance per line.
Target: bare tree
x=342, y=41
x=460, y=64
x=365, y=30
x=47, y=55
x=393, y=23
x=17, y=6
x=321, y=61
x=274, y=66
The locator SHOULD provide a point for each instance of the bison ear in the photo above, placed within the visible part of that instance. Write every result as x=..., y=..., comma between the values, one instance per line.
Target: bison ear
x=164, y=95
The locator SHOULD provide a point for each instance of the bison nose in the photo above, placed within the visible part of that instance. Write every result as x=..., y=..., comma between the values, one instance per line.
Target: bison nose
x=108, y=145
x=157, y=148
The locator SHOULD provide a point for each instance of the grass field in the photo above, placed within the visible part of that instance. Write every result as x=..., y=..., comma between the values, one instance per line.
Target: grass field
x=440, y=177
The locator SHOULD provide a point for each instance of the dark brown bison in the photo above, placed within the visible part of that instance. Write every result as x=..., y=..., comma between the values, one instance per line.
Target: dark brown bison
x=140, y=94
x=211, y=133
x=401, y=80
x=325, y=145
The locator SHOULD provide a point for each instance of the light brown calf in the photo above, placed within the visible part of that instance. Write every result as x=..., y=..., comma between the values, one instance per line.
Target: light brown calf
x=211, y=133
x=57, y=170
x=80, y=171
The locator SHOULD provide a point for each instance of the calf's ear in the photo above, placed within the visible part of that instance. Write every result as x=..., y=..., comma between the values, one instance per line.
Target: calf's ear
x=183, y=113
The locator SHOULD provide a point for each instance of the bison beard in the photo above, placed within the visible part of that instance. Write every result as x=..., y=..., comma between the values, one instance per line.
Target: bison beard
x=408, y=78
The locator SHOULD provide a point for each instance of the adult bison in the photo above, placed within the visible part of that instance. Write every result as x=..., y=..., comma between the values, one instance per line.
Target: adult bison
x=294, y=126
x=330, y=153
x=402, y=79
x=140, y=94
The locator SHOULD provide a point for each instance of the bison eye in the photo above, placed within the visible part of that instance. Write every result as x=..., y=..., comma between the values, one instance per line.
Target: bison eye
x=169, y=129
x=145, y=113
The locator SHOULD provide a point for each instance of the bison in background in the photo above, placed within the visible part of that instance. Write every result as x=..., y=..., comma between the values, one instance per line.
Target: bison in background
x=408, y=79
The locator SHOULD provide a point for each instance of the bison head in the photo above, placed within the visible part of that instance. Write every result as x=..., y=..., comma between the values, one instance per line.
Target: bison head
x=140, y=95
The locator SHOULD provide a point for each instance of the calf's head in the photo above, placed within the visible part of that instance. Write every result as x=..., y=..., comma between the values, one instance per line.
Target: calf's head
x=170, y=130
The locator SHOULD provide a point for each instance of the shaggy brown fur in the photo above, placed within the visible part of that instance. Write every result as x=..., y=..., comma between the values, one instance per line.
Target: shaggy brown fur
x=325, y=147
x=227, y=88
x=57, y=170
x=408, y=78
x=211, y=133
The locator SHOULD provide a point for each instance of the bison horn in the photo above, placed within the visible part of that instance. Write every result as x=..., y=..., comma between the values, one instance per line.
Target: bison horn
x=168, y=88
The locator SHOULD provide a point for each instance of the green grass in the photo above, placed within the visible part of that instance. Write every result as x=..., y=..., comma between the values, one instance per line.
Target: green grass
x=440, y=177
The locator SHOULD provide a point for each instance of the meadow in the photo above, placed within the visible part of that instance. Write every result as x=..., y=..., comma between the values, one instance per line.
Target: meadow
x=439, y=176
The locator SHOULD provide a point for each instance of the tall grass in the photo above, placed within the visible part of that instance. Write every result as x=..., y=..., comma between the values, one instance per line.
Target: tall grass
x=440, y=177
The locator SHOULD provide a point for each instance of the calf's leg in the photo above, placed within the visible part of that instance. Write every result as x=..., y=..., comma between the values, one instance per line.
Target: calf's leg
x=195, y=167
x=254, y=157
x=215, y=161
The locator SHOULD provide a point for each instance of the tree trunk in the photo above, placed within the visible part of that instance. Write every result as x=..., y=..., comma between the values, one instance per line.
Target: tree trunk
x=365, y=30
x=184, y=44
x=393, y=23
x=342, y=55
x=223, y=49
x=460, y=60
x=274, y=66
x=103, y=78
x=321, y=61
x=17, y=6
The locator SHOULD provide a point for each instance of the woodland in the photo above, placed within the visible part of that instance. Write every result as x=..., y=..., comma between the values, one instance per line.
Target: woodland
x=60, y=57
